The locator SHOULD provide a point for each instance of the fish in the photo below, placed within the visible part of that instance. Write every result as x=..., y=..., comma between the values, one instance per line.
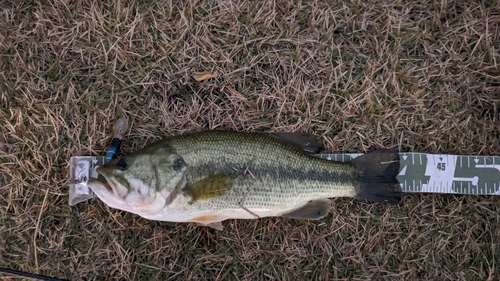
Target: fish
x=210, y=176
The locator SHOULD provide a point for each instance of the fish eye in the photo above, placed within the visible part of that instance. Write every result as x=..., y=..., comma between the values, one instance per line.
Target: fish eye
x=178, y=164
x=122, y=165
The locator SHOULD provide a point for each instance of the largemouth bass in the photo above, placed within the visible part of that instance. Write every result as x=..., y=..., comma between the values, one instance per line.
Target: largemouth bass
x=211, y=176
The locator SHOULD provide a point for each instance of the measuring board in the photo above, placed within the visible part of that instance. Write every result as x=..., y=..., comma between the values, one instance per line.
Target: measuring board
x=443, y=173
x=419, y=172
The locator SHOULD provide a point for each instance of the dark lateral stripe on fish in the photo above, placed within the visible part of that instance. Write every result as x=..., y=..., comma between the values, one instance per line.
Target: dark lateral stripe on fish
x=288, y=173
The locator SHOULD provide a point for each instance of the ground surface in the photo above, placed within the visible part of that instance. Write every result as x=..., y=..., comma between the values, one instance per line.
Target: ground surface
x=420, y=74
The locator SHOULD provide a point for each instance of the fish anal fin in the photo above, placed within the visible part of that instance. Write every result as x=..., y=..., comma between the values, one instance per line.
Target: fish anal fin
x=209, y=187
x=214, y=225
x=313, y=210
x=305, y=141
x=213, y=221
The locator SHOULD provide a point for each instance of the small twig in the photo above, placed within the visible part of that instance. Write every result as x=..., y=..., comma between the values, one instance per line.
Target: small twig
x=245, y=208
x=247, y=168
x=250, y=172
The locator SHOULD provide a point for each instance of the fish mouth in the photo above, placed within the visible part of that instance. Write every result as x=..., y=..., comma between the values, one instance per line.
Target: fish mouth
x=104, y=190
x=105, y=183
x=107, y=188
x=110, y=185
x=100, y=183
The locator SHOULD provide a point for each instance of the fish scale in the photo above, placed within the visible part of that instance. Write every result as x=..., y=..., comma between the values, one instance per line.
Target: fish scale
x=267, y=182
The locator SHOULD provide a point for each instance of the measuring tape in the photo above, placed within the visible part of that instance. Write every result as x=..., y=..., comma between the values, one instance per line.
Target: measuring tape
x=419, y=172
x=443, y=173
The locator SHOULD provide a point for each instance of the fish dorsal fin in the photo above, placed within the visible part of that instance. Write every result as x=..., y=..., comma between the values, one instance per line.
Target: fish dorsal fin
x=313, y=210
x=210, y=187
x=305, y=141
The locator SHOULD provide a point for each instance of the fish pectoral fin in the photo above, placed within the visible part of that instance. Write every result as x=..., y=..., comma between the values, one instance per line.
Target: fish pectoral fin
x=305, y=141
x=313, y=210
x=213, y=221
x=209, y=187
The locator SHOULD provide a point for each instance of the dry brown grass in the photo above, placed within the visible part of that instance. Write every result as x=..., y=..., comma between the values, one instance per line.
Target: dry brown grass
x=359, y=74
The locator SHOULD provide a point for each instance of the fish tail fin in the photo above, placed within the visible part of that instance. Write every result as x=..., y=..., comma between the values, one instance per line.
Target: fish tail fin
x=377, y=172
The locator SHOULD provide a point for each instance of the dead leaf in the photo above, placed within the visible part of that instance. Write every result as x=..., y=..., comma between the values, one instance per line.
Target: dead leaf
x=202, y=76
